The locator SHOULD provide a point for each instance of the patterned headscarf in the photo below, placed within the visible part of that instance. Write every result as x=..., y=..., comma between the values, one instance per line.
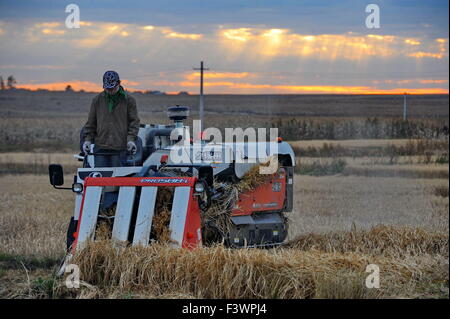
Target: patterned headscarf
x=110, y=79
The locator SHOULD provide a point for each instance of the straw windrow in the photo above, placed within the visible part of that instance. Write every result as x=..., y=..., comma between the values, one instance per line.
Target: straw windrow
x=218, y=272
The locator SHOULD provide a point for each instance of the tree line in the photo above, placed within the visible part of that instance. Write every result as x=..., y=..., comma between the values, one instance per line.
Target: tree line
x=10, y=83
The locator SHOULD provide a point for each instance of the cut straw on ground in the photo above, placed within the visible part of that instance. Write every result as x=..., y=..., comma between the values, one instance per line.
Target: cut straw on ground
x=330, y=266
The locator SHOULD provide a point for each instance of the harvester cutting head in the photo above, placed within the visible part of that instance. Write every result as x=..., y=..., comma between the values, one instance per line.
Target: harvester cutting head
x=139, y=194
x=203, y=199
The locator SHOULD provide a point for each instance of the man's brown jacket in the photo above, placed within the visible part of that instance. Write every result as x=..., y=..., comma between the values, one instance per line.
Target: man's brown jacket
x=112, y=130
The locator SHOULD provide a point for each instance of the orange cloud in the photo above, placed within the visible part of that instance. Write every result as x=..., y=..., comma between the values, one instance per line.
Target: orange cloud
x=240, y=34
x=61, y=86
x=412, y=42
x=50, y=28
x=48, y=24
x=169, y=33
x=248, y=88
x=100, y=33
x=76, y=85
x=48, y=31
x=260, y=43
x=433, y=81
x=315, y=89
x=421, y=81
x=130, y=83
x=422, y=54
x=384, y=38
x=219, y=75
x=255, y=46
x=283, y=42
x=86, y=23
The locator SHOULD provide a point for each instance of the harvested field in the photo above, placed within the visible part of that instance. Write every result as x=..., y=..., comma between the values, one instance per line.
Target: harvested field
x=326, y=257
x=388, y=241
x=360, y=143
x=381, y=199
x=19, y=102
x=408, y=171
x=42, y=121
x=218, y=272
x=336, y=203
x=36, y=163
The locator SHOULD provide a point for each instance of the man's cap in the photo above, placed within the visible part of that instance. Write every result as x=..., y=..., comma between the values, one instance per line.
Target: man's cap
x=110, y=79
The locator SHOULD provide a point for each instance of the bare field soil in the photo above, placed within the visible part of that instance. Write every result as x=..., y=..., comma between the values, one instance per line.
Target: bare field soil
x=359, y=143
x=18, y=103
x=33, y=121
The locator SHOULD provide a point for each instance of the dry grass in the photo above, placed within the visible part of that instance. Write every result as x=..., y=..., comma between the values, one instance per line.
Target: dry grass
x=406, y=171
x=218, y=272
x=46, y=104
x=399, y=160
x=52, y=120
x=161, y=219
x=35, y=162
x=380, y=240
x=333, y=228
x=441, y=191
x=336, y=203
x=359, y=143
x=372, y=152
x=36, y=157
x=33, y=217
x=412, y=260
x=334, y=235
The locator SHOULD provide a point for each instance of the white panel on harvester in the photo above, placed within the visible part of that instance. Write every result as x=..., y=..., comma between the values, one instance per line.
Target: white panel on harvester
x=145, y=216
x=89, y=214
x=124, y=211
x=179, y=213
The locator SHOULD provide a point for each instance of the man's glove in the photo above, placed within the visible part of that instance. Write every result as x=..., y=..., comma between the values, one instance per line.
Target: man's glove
x=131, y=147
x=86, y=147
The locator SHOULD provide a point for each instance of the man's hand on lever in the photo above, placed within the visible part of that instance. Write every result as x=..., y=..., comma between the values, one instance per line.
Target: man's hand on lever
x=131, y=147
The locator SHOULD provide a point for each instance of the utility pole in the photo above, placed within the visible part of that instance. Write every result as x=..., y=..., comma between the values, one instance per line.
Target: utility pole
x=201, y=69
x=405, y=107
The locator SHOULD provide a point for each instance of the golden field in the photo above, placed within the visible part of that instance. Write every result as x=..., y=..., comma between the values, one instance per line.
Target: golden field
x=357, y=202
x=400, y=223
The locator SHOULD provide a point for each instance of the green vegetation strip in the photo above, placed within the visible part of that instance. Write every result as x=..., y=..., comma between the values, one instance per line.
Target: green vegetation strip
x=10, y=261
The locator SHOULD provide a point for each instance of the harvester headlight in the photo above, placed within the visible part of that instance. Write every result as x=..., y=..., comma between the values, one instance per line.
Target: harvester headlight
x=199, y=187
x=77, y=187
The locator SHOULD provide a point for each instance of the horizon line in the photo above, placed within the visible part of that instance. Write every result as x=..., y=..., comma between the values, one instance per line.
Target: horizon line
x=187, y=93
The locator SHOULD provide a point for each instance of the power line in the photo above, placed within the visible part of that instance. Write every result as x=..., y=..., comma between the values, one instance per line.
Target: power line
x=201, y=69
x=405, y=107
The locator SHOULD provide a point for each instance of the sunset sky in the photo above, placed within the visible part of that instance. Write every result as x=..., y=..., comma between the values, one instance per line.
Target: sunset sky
x=251, y=47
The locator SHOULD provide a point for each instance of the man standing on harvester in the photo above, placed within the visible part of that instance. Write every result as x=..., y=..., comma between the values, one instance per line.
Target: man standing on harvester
x=112, y=125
